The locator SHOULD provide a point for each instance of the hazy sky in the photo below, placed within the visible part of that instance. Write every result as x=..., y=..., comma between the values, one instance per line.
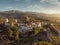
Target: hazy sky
x=45, y=6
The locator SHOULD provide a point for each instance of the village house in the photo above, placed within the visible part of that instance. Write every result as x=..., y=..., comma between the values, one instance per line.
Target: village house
x=21, y=26
x=28, y=27
x=24, y=28
x=10, y=22
x=7, y=20
x=36, y=24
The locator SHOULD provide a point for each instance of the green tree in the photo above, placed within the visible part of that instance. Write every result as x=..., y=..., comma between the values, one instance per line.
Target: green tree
x=14, y=28
x=36, y=30
x=10, y=33
x=17, y=35
x=15, y=32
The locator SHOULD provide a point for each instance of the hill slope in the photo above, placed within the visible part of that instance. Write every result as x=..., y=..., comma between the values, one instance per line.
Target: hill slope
x=21, y=14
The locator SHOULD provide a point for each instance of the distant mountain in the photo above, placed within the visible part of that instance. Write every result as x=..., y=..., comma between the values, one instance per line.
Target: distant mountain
x=21, y=14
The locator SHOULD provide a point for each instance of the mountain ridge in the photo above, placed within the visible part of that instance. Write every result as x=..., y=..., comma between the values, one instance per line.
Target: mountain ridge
x=21, y=14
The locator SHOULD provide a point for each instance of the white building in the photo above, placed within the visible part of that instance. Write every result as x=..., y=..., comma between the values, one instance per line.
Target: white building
x=6, y=20
x=24, y=28
x=16, y=20
x=36, y=24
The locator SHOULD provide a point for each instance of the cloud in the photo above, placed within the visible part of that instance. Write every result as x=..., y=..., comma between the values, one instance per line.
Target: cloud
x=33, y=6
x=11, y=8
x=45, y=6
x=43, y=9
x=16, y=0
x=23, y=0
x=27, y=0
x=53, y=2
x=36, y=8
